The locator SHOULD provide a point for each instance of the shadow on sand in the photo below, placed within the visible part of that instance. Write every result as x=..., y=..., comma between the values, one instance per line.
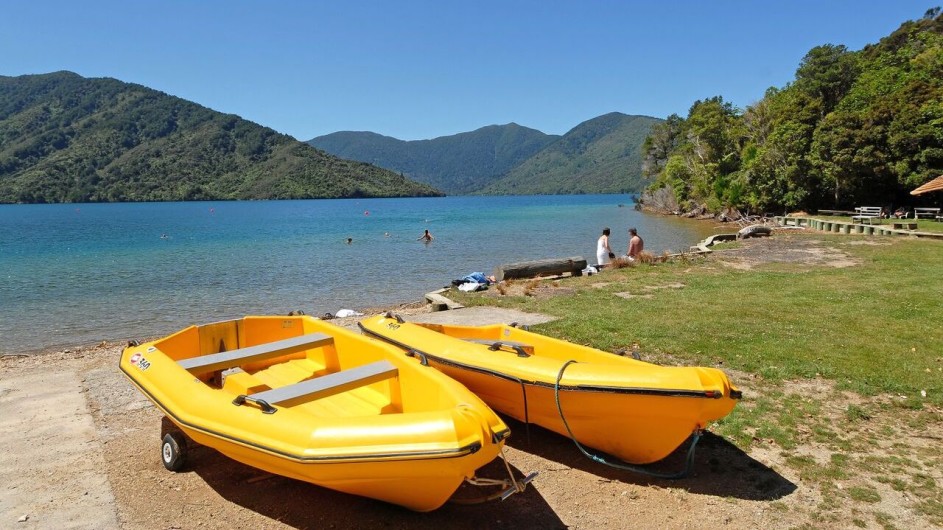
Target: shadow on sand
x=720, y=468
x=303, y=505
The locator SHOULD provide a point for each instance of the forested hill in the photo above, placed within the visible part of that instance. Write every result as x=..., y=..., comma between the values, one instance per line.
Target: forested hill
x=65, y=138
x=855, y=128
x=601, y=155
x=459, y=164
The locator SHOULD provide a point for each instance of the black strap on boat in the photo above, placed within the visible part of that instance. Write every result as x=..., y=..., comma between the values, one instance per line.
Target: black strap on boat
x=526, y=412
x=264, y=405
x=689, y=459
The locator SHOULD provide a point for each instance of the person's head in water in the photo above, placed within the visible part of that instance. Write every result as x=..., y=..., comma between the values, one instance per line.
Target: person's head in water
x=350, y=240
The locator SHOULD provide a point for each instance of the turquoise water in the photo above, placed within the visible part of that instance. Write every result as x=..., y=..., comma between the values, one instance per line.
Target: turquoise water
x=79, y=274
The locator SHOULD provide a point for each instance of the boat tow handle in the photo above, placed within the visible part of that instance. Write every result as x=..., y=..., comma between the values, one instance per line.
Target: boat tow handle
x=264, y=405
x=423, y=360
x=517, y=349
x=390, y=314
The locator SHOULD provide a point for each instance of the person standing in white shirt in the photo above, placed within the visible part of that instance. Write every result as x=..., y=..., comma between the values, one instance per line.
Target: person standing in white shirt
x=603, y=252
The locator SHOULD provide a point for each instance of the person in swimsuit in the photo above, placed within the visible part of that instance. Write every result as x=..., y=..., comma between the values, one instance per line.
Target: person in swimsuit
x=636, y=245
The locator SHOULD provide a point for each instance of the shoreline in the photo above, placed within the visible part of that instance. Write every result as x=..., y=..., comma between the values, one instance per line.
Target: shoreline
x=407, y=308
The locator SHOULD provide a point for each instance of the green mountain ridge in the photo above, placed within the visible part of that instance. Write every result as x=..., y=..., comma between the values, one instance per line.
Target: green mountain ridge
x=601, y=155
x=66, y=138
x=458, y=164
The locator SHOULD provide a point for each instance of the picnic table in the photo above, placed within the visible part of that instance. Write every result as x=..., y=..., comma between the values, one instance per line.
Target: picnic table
x=867, y=213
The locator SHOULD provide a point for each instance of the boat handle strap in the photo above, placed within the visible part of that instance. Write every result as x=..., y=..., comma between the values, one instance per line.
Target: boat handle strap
x=422, y=356
x=264, y=405
x=390, y=314
x=498, y=345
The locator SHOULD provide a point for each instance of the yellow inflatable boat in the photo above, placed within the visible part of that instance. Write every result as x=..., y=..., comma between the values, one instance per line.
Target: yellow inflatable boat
x=308, y=400
x=636, y=411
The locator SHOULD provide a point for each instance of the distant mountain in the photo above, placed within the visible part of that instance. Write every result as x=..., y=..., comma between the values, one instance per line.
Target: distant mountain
x=65, y=138
x=458, y=164
x=601, y=155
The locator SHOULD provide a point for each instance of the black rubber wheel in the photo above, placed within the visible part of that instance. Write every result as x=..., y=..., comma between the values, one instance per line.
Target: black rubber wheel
x=173, y=451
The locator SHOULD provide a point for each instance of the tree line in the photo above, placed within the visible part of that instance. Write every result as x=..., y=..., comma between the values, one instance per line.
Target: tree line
x=853, y=128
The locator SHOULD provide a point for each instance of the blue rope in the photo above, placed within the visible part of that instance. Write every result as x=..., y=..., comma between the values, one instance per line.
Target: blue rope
x=689, y=460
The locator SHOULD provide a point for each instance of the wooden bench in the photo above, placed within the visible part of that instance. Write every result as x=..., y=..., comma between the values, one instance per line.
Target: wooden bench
x=229, y=359
x=929, y=213
x=905, y=226
x=320, y=387
x=835, y=212
x=867, y=213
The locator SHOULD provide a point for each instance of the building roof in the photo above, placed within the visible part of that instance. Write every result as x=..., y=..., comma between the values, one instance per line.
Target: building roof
x=934, y=185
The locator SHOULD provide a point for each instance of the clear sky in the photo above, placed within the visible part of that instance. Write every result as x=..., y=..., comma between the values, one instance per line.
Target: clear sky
x=423, y=69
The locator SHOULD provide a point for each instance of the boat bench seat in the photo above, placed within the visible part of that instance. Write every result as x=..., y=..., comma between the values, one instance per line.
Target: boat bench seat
x=523, y=350
x=229, y=359
x=327, y=385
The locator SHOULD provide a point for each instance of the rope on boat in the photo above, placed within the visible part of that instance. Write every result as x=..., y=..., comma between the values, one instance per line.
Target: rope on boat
x=509, y=486
x=689, y=459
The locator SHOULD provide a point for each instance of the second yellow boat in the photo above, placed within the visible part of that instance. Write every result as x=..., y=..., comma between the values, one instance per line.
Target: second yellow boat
x=637, y=411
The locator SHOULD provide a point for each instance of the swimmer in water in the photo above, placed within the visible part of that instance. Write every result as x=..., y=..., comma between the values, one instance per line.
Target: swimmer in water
x=426, y=237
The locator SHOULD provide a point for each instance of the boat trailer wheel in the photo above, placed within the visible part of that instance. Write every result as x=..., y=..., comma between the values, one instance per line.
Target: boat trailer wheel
x=173, y=451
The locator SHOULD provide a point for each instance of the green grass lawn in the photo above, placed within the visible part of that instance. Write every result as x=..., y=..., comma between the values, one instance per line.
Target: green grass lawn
x=874, y=327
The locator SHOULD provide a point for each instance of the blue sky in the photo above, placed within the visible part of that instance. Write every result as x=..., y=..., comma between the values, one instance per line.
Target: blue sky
x=423, y=69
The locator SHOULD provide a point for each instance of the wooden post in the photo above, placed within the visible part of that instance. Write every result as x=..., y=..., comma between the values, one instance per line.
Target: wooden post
x=549, y=267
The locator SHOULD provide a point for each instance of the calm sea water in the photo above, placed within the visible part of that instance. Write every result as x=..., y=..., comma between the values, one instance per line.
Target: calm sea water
x=79, y=274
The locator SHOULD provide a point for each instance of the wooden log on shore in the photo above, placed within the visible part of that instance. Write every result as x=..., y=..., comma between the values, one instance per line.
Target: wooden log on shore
x=544, y=267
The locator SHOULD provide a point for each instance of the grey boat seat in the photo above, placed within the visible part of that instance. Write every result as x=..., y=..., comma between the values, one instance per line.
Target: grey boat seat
x=323, y=386
x=229, y=359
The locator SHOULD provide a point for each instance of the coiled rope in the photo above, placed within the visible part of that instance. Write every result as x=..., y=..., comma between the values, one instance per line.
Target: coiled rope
x=689, y=460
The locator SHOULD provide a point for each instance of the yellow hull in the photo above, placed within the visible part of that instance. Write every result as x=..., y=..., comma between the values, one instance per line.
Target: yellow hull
x=636, y=411
x=407, y=436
